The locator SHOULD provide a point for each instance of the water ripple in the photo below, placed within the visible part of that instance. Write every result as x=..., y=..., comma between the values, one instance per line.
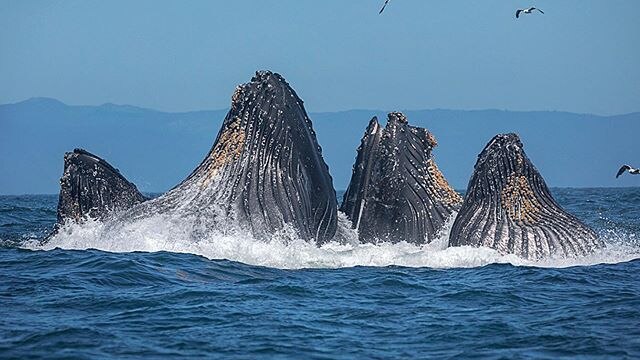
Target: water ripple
x=332, y=303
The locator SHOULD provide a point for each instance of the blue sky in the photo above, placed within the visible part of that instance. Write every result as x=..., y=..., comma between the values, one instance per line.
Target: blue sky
x=581, y=56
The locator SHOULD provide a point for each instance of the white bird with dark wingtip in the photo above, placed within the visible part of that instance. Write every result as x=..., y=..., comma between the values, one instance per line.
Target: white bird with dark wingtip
x=384, y=6
x=628, y=168
x=527, y=11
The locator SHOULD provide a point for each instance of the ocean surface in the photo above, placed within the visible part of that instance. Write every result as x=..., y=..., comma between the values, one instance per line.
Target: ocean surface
x=155, y=292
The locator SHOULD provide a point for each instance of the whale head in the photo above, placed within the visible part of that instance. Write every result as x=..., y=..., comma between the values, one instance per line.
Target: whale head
x=91, y=188
x=265, y=171
x=509, y=207
x=396, y=192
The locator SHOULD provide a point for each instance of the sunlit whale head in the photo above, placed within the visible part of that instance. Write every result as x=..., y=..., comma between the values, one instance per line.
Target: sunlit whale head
x=91, y=188
x=396, y=192
x=503, y=147
x=264, y=173
x=509, y=207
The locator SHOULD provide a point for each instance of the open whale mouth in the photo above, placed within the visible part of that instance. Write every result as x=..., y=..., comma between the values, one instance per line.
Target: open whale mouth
x=91, y=188
x=509, y=207
x=264, y=173
x=396, y=192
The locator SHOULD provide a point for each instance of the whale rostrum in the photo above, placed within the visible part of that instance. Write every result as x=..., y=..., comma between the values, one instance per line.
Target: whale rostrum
x=508, y=207
x=397, y=193
x=91, y=188
x=264, y=172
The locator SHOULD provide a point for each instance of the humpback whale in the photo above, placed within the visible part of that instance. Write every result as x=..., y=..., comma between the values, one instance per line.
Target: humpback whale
x=91, y=188
x=508, y=207
x=264, y=173
x=396, y=192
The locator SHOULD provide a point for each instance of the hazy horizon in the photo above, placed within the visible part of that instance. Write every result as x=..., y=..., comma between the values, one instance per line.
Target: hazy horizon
x=316, y=112
x=156, y=149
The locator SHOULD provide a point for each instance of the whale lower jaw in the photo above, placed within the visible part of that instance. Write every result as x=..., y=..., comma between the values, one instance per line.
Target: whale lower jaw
x=264, y=172
x=508, y=207
x=554, y=233
x=397, y=193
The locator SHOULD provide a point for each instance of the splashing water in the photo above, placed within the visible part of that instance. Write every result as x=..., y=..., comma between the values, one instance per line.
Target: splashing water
x=285, y=251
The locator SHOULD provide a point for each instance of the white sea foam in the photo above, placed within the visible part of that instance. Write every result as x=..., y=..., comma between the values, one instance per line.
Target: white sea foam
x=284, y=250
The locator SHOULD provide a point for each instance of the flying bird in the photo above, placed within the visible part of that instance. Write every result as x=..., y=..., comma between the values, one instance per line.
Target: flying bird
x=526, y=11
x=384, y=6
x=628, y=168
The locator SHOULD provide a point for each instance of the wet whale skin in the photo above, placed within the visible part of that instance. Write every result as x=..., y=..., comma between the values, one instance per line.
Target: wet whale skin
x=508, y=207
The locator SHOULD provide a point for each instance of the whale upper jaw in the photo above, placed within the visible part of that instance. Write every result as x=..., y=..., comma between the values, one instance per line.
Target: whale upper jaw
x=509, y=207
x=91, y=188
x=396, y=192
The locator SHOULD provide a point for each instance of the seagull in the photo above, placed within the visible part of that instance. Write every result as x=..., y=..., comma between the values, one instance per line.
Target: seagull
x=384, y=6
x=628, y=168
x=526, y=11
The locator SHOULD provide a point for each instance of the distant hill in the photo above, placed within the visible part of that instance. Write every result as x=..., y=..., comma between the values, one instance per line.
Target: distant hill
x=156, y=149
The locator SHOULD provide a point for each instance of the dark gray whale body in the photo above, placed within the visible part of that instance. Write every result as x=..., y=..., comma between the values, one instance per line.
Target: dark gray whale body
x=91, y=188
x=397, y=193
x=265, y=171
x=508, y=207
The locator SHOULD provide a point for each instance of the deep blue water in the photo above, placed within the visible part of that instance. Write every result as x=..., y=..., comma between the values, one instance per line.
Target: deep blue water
x=99, y=304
